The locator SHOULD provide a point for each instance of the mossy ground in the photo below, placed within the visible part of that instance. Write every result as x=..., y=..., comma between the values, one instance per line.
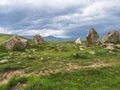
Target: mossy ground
x=62, y=66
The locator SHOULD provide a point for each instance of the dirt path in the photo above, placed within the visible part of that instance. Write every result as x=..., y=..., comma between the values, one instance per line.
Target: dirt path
x=4, y=77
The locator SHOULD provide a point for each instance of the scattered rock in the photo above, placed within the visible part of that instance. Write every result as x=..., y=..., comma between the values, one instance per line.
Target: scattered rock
x=37, y=39
x=82, y=47
x=117, y=46
x=78, y=41
x=91, y=52
x=15, y=43
x=111, y=37
x=11, y=53
x=92, y=37
x=109, y=46
x=4, y=61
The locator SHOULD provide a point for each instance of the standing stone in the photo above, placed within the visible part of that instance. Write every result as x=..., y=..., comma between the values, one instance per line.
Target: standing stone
x=78, y=41
x=92, y=37
x=15, y=43
x=37, y=39
x=111, y=37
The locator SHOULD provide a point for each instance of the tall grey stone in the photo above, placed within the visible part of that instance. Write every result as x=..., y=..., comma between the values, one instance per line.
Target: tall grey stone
x=92, y=37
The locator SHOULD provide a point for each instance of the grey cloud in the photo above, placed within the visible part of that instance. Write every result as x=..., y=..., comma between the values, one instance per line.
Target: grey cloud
x=74, y=18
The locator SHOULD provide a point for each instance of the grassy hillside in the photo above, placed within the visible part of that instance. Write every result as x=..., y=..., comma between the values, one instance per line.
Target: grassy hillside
x=60, y=66
x=4, y=37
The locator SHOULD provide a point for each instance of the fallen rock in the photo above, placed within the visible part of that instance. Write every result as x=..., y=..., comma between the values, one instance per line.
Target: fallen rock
x=4, y=61
x=37, y=39
x=111, y=37
x=92, y=37
x=109, y=46
x=117, y=46
x=82, y=47
x=15, y=43
x=91, y=52
x=78, y=41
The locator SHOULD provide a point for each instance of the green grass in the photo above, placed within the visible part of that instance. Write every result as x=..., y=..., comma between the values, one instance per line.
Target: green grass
x=4, y=37
x=85, y=79
x=52, y=56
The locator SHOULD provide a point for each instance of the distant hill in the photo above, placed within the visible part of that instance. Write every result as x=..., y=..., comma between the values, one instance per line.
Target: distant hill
x=52, y=38
x=4, y=37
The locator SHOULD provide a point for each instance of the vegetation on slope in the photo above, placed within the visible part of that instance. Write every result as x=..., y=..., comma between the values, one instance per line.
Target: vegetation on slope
x=4, y=37
x=60, y=66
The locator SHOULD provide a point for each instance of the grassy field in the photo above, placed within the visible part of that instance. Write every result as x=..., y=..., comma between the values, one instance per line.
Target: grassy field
x=4, y=37
x=60, y=66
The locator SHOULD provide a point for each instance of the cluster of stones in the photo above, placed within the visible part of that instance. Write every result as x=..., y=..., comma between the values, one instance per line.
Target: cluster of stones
x=92, y=37
x=19, y=43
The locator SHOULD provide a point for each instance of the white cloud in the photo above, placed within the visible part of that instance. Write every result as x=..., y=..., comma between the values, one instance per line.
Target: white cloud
x=5, y=30
x=57, y=4
x=44, y=33
x=57, y=16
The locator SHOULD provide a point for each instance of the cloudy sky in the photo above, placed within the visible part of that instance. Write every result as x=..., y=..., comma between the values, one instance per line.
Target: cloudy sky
x=60, y=18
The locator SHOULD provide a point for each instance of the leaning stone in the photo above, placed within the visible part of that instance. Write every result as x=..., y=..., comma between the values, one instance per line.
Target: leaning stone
x=111, y=37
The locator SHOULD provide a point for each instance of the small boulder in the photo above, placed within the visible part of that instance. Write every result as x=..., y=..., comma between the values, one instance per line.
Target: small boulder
x=82, y=47
x=91, y=52
x=4, y=61
x=109, y=46
x=78, y=41
x=111, y=37
x=15, y=43
x=117, y=46
x=37, y=39
x=92, y=37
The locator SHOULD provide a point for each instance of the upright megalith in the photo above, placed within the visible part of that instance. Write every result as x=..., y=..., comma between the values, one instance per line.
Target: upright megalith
x=15, y=43
x=92, y=37
x=37, y=39
x=111, y=37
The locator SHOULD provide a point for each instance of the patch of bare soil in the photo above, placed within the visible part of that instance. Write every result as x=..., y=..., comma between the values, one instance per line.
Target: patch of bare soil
x=73, y=66
x=4, y=77
x=95, y=65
